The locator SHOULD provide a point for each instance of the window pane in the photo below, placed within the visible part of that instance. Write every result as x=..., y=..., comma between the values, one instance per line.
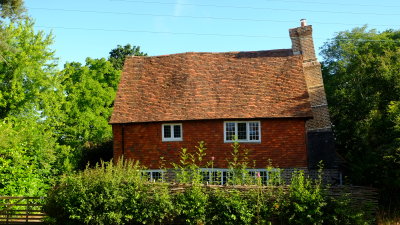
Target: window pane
x=230, y=131
x=148, y=175
x=177, y=131
x=206, y=176
x=254, y=131
x=264, y=177
x=242, y=133
x=167, y=131
x=216, y=177
x=225, y=177
x=157, y=175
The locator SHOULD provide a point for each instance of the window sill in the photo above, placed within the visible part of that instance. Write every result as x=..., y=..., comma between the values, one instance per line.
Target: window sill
x=172, y=140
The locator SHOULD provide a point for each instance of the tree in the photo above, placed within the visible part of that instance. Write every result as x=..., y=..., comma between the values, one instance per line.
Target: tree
x=27, y=73
x=11, y=8
x=118, y=55
x=30, y=91
x=90, y=92
x=361, y=70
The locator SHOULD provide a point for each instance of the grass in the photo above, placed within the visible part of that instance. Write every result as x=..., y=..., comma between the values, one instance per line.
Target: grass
x=385, y=217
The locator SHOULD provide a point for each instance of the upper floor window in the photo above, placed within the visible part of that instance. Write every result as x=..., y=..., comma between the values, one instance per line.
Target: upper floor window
x=243, y=131
x=172, y=132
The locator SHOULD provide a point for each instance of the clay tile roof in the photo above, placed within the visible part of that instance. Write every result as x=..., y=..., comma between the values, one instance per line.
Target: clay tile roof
x=195, y=86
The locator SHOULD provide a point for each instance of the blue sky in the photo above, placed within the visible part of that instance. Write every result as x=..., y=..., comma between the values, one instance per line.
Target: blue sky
x=88, y=28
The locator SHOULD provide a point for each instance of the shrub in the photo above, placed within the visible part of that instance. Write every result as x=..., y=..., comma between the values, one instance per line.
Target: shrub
x=238, y=165
x=305, y=201
x=121, y=194
x=191, y=205
x=188, y=170
x=342, y=210
x=108, y=194
x=229, y=208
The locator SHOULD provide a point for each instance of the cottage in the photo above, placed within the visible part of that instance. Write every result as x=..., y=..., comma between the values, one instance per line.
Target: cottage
x=273, y=101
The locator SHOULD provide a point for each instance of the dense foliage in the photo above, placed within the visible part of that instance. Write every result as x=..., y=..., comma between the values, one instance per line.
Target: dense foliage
x=11, y=8
x=121, y=194
x=90, y=92
x=108, y=194
x=30, y=156
x=53, y=122
x=27, y=72
x=361, y=70
x=118, y=55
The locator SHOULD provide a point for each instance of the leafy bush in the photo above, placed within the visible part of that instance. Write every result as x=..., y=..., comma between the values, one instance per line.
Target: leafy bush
x=30, y=158
x=191, y=205
x=305, y=201
x=108, y=194
x=188, y=169
x=341, y=210
x=121, y=194
x=229, y=208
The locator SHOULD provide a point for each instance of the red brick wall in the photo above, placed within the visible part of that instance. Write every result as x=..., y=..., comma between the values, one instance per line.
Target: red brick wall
x=282, y=140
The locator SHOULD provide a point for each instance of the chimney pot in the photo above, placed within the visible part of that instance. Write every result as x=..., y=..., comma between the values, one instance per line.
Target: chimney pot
x=303, y=22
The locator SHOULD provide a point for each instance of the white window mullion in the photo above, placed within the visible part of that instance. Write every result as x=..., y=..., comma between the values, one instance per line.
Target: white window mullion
x=236, y=131
x=247, y=131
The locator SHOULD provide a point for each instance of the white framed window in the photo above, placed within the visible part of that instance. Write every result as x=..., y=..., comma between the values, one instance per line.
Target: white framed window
x=243, y=131
x=215, y=175
x=154, y=175
x=262, y=173
x=222, y=176
x=172, y=132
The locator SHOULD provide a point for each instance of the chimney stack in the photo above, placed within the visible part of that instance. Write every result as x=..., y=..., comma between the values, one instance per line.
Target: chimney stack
x=302, y=41
x=303, y=44
x=320, y=141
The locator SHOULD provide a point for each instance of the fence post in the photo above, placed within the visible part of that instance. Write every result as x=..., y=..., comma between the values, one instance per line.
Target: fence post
x=7, y=212
x=27, y=209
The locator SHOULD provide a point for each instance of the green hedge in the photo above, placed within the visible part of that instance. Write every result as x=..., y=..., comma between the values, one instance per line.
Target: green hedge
x=121, y=194
x=108, y=194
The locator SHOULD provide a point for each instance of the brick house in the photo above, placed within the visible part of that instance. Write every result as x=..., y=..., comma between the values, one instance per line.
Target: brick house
x=272, y=101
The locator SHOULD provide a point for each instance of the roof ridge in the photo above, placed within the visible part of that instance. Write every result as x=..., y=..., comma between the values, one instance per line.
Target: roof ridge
x=215, y=53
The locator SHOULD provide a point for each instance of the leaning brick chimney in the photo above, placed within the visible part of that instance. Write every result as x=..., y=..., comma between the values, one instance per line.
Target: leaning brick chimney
x=302, y=43
x=320, y=140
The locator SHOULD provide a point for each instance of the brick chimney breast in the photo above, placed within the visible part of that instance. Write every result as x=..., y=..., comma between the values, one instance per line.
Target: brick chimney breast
x=320, y=141
x=302, y=43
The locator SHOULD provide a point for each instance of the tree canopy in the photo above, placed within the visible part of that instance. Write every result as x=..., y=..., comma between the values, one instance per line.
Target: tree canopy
x=27, y=72
x=89, y=95
x=50, y=119
x=118, y=54
x=30, y=156
x=361, y=70
x=11, y=8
